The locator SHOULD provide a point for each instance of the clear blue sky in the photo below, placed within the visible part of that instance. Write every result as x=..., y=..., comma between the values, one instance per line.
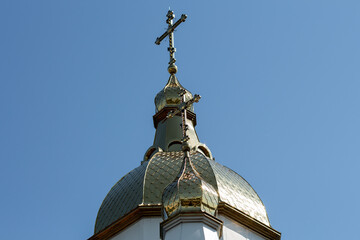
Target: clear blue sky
x=279, y=81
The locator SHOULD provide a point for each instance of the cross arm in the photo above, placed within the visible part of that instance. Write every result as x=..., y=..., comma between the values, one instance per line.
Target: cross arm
x=159, y=39
x=183, y=106
x=171, y=29
x=177, y=23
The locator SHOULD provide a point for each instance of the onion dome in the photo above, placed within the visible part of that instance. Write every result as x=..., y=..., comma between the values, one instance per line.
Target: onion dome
x=169, y=95
x=144, y=186
x=189, y=193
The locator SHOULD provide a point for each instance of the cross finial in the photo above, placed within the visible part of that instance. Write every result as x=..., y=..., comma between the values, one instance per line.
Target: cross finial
x=185, y=104
x=182, y=109
x=170, y=32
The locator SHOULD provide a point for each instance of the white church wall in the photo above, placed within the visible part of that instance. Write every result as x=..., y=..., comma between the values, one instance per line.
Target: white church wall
x=194, y=231
x=147, y=228
x=210, y=233
x=234, y=230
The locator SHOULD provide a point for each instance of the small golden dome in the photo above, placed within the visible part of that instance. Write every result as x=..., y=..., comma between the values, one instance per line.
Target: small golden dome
x=169, y=96
x=189, y=193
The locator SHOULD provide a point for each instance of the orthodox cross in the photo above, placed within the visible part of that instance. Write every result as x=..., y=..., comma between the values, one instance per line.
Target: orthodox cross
x=170, y=32
x=182, y=109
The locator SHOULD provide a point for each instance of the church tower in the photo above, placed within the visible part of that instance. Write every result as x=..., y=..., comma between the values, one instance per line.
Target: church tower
x=179, y=192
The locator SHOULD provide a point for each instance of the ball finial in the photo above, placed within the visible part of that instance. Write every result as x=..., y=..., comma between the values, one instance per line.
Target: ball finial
x=172, y=69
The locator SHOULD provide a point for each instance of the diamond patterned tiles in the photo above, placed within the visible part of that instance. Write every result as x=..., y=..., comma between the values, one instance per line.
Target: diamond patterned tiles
x=203, y=167
x=237, y=192
x=162, y=169
x=123, y=197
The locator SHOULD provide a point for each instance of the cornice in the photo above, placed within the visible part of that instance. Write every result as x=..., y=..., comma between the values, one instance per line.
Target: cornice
x=155, y=211
x=242, y=218
x=127, y=220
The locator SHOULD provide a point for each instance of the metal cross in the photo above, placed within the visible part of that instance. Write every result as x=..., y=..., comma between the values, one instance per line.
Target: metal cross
x=182, y=109
x=184, y=105
x=170, y=32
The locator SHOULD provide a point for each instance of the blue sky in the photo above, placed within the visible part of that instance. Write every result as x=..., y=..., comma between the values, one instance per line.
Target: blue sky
x=279, y=81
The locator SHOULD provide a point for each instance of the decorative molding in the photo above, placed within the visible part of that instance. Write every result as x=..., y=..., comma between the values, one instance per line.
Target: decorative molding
x=191, y=217
x=159, y=116
x=155, y=211
x=242, y=218
x=127, y=220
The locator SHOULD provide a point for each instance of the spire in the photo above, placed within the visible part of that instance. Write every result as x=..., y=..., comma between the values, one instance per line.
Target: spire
x=170, y=102
x=170, y=32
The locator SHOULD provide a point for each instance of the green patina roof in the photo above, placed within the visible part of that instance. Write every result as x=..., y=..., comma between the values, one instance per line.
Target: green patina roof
x=145, y=185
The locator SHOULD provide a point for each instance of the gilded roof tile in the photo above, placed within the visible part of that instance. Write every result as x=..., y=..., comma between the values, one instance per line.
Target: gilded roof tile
x=162, y=169
x=237, y=192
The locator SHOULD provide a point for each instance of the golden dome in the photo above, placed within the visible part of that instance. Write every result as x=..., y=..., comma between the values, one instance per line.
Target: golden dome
x=200, y=185
x=169, y=96
x=144, y=186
